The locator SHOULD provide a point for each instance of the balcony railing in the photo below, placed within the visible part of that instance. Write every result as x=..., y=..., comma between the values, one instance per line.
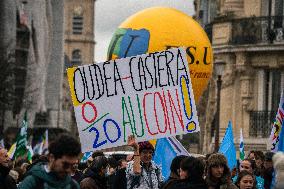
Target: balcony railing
x=253, y=30
x=261, y=122
x=256, y=30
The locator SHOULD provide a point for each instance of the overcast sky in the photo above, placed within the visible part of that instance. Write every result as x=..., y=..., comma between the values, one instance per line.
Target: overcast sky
x=109, y=14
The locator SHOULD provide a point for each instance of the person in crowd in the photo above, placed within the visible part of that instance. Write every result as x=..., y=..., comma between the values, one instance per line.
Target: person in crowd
x=82, y=166
x=218, y=173
x=175, y=170
x=191, y=175
x=23, y=165
x=76, y=174
x=97, y=153
x=15, y=177
x=111, y=171
x=246, y=180
x=20, y=174
x=278, y=164
x=63, y=155
x=142, y=172
x=259, y=160
x=249, y=165
x=120, y=175
x=35, y=160
x=251, y=155
x=268, y=169
x=122, y=163
x=206, y=162
x=6, y=181
x=95, y=175
x=129, y=157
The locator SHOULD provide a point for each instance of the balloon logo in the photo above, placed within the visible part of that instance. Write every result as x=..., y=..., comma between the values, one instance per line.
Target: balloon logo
x=161, y=28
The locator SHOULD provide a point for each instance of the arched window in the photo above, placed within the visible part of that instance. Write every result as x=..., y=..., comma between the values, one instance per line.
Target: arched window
x=76, y=57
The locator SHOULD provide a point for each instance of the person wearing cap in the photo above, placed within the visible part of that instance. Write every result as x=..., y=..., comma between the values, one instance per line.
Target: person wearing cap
x=218, y=173
x=142, y=172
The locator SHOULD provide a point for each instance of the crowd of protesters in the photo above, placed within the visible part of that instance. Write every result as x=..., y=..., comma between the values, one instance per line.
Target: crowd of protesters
x=61, y=169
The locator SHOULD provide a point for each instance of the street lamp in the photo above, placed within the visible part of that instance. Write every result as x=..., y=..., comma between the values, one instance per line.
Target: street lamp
x=219, y=68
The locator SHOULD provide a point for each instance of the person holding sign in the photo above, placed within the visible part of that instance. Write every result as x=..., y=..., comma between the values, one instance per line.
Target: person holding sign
x=142, y=172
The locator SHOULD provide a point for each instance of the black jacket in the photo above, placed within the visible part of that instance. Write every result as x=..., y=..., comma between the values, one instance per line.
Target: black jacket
x=120, y=179
x=186, y=184
x=6, y=181
x=93, y=180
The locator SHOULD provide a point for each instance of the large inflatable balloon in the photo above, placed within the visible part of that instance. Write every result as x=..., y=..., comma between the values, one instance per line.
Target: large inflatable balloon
x=161, y=28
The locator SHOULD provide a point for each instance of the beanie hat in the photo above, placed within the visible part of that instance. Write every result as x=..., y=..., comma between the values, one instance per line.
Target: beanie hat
x=145, y=145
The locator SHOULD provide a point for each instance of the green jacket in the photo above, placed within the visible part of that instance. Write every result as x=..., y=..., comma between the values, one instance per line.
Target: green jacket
x=38, y=178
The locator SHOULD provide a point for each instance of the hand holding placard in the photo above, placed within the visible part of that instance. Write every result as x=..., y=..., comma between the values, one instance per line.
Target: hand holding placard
x=132, y=142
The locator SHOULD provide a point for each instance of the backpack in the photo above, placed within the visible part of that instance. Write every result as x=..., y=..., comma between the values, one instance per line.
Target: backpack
x=40, y=183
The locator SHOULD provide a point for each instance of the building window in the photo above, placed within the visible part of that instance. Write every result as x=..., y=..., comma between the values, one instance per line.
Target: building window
x=278, y=13
x=76, y=57
x=77, y=25
x=270, y=86
x=273, y=87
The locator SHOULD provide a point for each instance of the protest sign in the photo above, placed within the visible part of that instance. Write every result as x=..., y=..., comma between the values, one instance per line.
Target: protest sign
x=149, y=96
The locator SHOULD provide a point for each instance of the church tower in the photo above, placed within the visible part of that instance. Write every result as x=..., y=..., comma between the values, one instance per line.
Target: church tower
x=78, y=48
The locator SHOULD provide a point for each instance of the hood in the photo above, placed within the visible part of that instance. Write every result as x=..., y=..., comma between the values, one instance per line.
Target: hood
x=217, y=159
x=39, y=171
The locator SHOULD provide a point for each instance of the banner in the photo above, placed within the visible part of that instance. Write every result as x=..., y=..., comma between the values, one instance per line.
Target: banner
x=149, y=96
x=42, y=146
x=170, y=146
x=242, y=149
x=228, y=148
x=21, y=145
x=276, y=127
x=12, y=150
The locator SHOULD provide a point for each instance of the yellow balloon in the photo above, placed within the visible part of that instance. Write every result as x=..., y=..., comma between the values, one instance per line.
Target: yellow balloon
x=160, y=28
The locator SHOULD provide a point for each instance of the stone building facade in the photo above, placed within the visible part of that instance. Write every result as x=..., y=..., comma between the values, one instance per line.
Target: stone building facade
x=249, y=37
x=78, y=47
x=31, y=43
